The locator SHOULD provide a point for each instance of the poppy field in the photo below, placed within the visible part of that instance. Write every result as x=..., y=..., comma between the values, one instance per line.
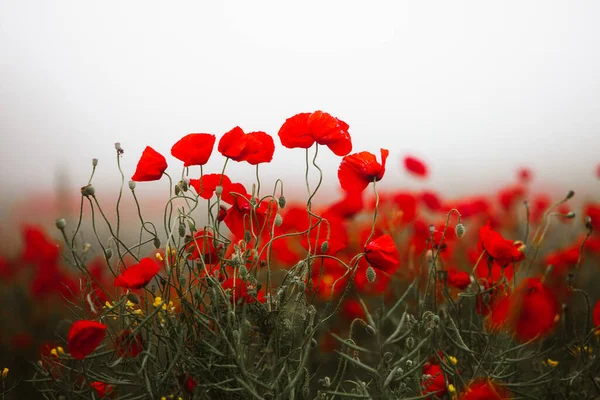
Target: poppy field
x=248, y=292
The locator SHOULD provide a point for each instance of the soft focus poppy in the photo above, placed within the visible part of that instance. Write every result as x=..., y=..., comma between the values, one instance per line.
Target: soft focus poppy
x=202, y=244
x=499, y=249
x=509, y=196
x=431, y=200
x=529, y=312
x=84, y=337
x=407, y=206
x=39, y=248
x=484, y=389
x=352, y=309
x=102, y=389
x=436, y=383
x=128, y=344
x=254, y=147
x=151, y=166
x=415, y=166
x=458, y=279
x=357, y=170
x=194, y=149
x=304, y=129
x=139, y=275
x=524, y=175
x=382, y=254
x=239, y=291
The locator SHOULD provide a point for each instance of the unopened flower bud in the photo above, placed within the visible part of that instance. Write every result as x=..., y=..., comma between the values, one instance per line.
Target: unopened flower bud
x=5, y=373
x=61, y=223
x=570, y=215
x=118, y=146
x=181, y=229
x=371, y=274
x=156, y=242
x=219, y=190
x=108, y=253
x=278, y=220
x=185, y=183
x=588, y=223
x=134, y=298
x=222, y=213
x=94, y=162
x=88, y=190
x=460, y=230
x=324, y=247
x=282, y=201
x=132, y=185
x=410, y=343
x=431, y=229
x=570, y=195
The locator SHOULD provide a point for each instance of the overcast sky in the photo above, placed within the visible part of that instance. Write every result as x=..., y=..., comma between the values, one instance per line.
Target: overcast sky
x=477, y=89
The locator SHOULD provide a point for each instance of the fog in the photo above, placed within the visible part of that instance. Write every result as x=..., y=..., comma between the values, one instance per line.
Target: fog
x=476, y=89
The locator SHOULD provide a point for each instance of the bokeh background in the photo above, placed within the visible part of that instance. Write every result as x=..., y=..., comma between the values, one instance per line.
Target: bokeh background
x=476, y=89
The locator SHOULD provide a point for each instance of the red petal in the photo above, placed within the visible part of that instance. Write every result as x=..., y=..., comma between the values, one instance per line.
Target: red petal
x=295, y=132
x=260, y=148
x=150, y=167
x=415, y=166
x=84, y=337
x=194, y=149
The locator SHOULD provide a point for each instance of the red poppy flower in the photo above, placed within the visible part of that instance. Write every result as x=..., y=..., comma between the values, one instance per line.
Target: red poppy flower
x=194, y=149
x=304, y=129
x=139, y=275
x=484, y=389
x=102, y=389
x=407, y=205
x=240, y=291
x=39, y=249
x=510, y=195
x=500, y=250
x=529, y=312
x=382, y=254
x=524, y=174
x=436, y=383
x=352, y=309
x=415, y=166
x=84, y=337
x=431, y=200
x=129, y=344
x=357, y=170
x=207, y=184
x=188, y=383
x=458, y=279
x=150, y=167
x=254, y=147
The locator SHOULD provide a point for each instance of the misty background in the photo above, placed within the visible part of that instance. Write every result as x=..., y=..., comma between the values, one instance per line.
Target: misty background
x=476, y=89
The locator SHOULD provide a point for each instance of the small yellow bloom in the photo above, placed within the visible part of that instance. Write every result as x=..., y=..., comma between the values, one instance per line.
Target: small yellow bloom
x=551, y=363
x=453, y=360
x=157, y=301
x=452, y=391
x=163, y=398
x=159, y=257
x=5, y=373
x=57, y=351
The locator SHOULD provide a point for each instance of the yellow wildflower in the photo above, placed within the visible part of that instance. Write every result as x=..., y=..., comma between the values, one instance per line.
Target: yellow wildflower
x=453, y=360
x=57, y=351
x=5, y=373
x=452, y=391
x=551, y=363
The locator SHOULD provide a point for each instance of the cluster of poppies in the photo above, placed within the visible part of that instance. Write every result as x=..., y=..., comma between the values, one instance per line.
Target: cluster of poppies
x=477, y=244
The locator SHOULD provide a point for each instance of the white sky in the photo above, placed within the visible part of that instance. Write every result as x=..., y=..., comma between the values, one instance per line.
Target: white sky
x=475, y=88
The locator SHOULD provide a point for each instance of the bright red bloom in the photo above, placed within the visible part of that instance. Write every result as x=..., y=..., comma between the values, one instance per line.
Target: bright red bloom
x=510, y=195
x=304, y=129
x=194, y=149
x=415, y=166
x=382, y=254
x=524, y=174
x=254, y=147
x=352, y=309
x=150, y=167
x=458, y=279
x=240, y=291
x=331, y=230
x=407, y=205
x=529, y=312
x=139, y=275
x=129, y=344
x=436, y=383
x=84, y=337
x=357, y=170
x=431, y=200
x=188, y=383
x=499, y=249
x=102, y=389
x=484, y=389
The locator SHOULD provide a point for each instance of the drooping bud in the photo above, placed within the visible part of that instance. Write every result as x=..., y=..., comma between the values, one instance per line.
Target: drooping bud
x=588, y=223
x=460, y=230
x=156, y=242
x=134, y=298
x=185, y=183
x=88, y=190
x=325, y=247
x=570, y=215
x=219, y=190
x=282, y=201
x=61, y=223
x=181, y=229
x=94, y=162
x=222, y=213
x=132, y=185
x=570, y=195
x=108, y=253
x=278, y=220
x=119, y=148
x=371, y=274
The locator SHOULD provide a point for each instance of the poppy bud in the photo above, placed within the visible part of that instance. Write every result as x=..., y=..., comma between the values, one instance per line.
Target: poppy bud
x=94, y=162
x=247, y=236
x=325, y=247
x=222, y=213
x=431, y=229
x=131, y=185
x=88, y=190
x=185, y=183
x=61, y=223
x=278, y=220
x=118, y=146
x=282, y=201
x=410, y=343
x=588, y=223
x=219, y=190
x=371, y=275
x=108, y=253
x=134, y=298
x=177, y=190
x=156, y=242
x=570, y=215
x=181, y=229
x=460, y=230
x=569, y=195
